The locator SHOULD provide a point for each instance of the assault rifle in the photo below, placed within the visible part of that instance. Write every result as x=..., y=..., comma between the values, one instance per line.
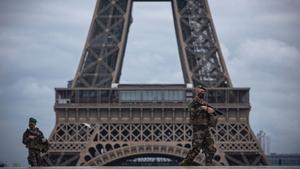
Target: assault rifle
x=202, y=102
x=39, y=143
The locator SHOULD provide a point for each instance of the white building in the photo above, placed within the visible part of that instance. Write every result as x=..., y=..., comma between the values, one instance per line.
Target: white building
x=264, y=141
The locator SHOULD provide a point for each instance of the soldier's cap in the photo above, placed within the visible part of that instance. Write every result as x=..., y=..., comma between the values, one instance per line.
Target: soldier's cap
x=32, y=120
x=201, y=87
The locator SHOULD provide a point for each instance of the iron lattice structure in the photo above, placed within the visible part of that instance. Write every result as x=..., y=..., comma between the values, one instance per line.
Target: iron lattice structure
x=102, y=122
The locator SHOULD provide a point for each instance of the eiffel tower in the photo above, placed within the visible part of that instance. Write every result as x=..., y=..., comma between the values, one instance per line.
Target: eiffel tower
x=101, y=122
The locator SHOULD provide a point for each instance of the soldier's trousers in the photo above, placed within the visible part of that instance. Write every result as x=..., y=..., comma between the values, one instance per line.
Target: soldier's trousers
x=202, y=140
x=34, y=157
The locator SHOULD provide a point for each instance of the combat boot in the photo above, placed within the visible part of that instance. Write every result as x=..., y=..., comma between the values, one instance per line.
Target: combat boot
x=208, y=162
x=186, y=162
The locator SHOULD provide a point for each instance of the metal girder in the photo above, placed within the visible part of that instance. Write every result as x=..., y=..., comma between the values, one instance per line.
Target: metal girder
x=116, y=123
x=121, y=128
x=102, y=57
x=200, y=54
x=98, y=158
x=201, y=57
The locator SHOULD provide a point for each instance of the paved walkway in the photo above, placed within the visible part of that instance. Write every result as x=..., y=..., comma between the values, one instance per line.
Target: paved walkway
x=175, y=167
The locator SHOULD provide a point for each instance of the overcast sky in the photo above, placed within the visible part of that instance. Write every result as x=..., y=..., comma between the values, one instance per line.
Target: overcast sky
x=41, y=44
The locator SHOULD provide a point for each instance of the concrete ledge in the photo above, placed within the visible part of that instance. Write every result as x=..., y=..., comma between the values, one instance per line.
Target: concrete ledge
x=158, y=167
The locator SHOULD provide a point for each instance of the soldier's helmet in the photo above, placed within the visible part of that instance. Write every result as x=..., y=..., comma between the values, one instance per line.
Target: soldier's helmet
x=199, y=87
x=32, y=120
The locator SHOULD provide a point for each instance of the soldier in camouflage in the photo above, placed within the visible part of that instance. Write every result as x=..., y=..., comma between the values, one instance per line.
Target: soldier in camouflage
x=33, y=138
x=201, y=118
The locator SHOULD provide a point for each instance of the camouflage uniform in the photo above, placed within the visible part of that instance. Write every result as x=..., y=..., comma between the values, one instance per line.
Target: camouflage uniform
x=34, y=150
x=202, y=139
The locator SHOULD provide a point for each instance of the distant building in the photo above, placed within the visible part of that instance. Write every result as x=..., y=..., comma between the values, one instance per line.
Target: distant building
x=11, y=165
x=284, y=159
x=264, y=141
x=2, y=164
x=16, y=165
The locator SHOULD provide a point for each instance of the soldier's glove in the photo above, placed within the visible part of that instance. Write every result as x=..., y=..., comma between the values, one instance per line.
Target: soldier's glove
x=203, y=108
x=208, y=109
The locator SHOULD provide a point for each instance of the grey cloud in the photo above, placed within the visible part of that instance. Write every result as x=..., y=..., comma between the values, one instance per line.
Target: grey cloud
x=34, y=60
x=31, y=50
x=41, y=43
x=270, y=68
x=261, y=44
x=145, y=60
x=236, y=20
